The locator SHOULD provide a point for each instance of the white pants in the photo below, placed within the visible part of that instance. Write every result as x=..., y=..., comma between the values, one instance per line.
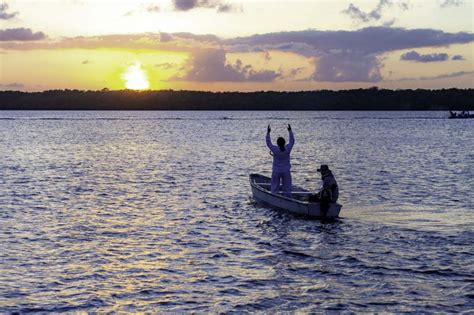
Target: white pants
x=285, y=178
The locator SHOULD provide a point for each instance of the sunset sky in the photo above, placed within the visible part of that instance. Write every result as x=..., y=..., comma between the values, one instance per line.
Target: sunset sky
x=236, y=45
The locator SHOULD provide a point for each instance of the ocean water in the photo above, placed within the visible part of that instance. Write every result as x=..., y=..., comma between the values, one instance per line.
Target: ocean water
x=152, y=211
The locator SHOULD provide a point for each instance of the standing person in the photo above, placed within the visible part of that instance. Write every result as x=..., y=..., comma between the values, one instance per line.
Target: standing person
x=281, y=162
x=330, y=190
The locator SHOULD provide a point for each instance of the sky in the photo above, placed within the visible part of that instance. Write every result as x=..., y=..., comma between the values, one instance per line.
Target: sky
x=236, y=45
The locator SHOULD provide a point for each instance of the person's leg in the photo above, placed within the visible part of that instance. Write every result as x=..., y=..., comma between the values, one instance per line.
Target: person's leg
x=287, y=183
x=275, y=182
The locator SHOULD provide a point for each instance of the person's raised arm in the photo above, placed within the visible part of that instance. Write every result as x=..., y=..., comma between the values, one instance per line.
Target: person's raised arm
x=268, y=138
x=292, y=138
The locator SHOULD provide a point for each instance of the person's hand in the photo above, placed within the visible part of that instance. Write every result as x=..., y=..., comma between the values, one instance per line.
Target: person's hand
x=269, y=129
x=289, y=127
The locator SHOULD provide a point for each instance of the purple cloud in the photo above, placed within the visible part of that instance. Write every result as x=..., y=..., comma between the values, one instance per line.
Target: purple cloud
x=201, y=38
x=228, y=8
x=186, y=5
x=20, y=34
x=414, y=56
x=182, y=42
x=10, y=86
x=458, y=57
x=404, y=5
x=437, y=77
x=368, y=40
x=210, y=66
x=3, y=12
x=292, y=73
x=357, y=14
x=348, y=55
x=449, y=75
x=347, y=67
x=224, y=8
x=262, y=76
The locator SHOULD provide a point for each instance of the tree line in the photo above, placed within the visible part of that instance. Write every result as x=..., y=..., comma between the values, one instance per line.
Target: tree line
x=356, y=99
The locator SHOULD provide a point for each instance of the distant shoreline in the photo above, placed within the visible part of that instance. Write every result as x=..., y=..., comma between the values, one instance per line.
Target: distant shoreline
x=356, y=99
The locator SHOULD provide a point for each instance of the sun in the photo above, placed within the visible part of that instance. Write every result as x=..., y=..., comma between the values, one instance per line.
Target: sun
x=135, y=78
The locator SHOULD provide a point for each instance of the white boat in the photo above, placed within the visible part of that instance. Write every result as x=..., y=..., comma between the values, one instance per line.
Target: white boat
x=296, y=203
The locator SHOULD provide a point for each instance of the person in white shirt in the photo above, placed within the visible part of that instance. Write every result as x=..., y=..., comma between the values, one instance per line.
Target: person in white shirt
x=281, y=162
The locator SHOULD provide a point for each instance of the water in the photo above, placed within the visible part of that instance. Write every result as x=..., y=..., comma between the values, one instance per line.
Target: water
x=151, y=211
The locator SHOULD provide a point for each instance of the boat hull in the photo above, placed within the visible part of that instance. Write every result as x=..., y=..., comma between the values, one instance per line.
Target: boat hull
x=296, y=203
x=466, y=117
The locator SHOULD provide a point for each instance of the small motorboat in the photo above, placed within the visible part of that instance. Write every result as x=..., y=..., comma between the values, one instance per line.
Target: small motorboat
x=298, y=202
x=462, y=115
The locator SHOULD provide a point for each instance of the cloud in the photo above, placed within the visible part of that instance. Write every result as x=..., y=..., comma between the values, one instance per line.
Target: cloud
x=359, y=15
x=186, y=5
x=10, y=86
x=262, y=75
x=338, y=56
x=347, y=55
x=449, y=75
x=225, y=8
x=347, y=67
x=229, y=8
x=210, y=66
x=4, y=15
x=376, y=14
x=182, y=42
x=437, y=77
x=458, y=57
x=292, y=73
x=309, y=43
x=414, y=56
x=202, y=38
x=20, y=34
x=367, y=40
x=404, y=5
x=451, y=3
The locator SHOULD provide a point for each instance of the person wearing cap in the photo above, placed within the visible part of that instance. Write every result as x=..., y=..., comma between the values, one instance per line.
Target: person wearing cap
x=330, y=189
x=281, y=162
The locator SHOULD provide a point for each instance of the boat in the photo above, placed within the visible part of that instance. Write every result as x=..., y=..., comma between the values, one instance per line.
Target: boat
x=298, y=202
x=462, y=115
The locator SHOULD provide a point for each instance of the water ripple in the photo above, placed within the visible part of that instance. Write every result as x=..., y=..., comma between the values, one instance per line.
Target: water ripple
x=151, y=212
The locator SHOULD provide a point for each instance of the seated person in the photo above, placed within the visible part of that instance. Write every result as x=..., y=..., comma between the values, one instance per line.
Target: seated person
x=330, y=190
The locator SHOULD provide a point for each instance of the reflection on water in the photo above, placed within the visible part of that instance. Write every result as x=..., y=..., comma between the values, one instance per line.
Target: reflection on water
x=143, y=211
